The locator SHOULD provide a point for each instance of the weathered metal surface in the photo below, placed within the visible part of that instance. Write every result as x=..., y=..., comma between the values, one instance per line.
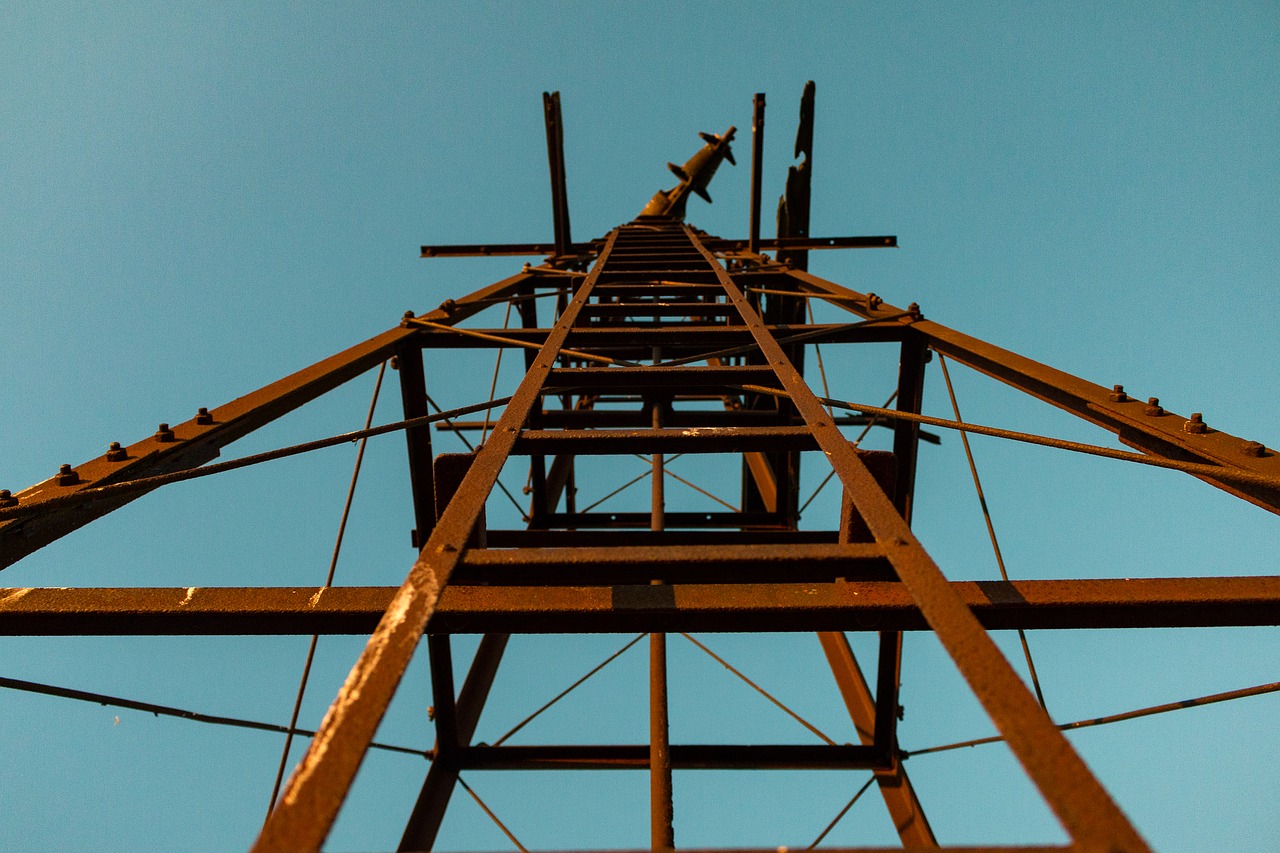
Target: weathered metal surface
x=568, y=608
x=310, y=803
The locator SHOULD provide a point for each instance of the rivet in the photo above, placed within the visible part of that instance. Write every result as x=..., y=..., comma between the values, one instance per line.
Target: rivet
x=67, y=476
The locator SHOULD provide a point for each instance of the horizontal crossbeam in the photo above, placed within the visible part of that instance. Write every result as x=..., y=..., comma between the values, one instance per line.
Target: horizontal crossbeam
x=840, y=606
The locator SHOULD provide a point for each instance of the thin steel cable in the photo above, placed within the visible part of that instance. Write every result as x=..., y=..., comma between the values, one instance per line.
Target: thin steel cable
x=991, y=530
x=843, y=812
x=799, y=719
x=144, y=484
x=1212, y=472
x=563, y=693
x=180, y=713
x=621, y=488
x=699, y=489
x=493, y=386
x=470, y=447
x=328, y=582
x=855, y=443
x=1212, y=698
x=493, y=817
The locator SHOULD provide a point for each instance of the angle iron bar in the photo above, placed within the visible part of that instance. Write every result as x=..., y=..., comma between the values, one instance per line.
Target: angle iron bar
x=1161, y=435
x=1083, y=806
x=310, y=803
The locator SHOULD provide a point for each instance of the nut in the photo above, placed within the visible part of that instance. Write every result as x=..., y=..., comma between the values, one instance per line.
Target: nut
x=1254, y=448
x=1118, y=395
x=163, y=433
x=1195, y=426
x=203, y=417
x=7, y=498
x=116, y=453
x=67, y=476
x=1153, y=407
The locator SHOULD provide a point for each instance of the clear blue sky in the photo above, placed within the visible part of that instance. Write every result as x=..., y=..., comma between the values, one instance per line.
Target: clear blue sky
x=199, y=199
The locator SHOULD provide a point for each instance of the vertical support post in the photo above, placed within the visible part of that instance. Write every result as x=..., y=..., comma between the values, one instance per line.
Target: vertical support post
x=757, y=165
x=906, y=446
x=413, y=393
x=661, y=807
x=555, y=158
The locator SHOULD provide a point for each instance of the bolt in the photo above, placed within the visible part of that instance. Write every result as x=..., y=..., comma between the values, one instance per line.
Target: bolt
x=203, y=417
x=1118, y=395
x=116, y=453
x=67, y=476
x=395, y=362
x=1254, y=448
x=447, y=306
x=1153, y=407
x=431, y=712
x=1196, y=425
x=163, y=433
x=902, y=712
x=409, y=315
x=873, y=301
x=7, y=498
x=913, y=311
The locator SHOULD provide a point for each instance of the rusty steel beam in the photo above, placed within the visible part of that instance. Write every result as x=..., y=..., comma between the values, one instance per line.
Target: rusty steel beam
x=1145, y=427
x=701, y=756
x=599, y=442
x=1080, y=802
x=832, y=606
x=471, y=250
x=199, y=440
x=555, y=159
x=319, y=785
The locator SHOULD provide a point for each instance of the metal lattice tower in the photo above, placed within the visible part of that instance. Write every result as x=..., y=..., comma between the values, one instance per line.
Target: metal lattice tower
x=663, y=340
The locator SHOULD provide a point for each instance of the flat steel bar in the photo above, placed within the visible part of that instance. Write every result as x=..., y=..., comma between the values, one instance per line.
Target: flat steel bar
x=485, y=250
x=650, y=377
x=601, y=442
x=799, y=606
x=310, y=803
x=1159, y=433
x=1083, y=806
x=894, y=784
x=683, y=757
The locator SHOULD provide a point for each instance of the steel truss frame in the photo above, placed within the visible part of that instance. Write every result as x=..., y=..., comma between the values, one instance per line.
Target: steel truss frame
x=703, y=340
